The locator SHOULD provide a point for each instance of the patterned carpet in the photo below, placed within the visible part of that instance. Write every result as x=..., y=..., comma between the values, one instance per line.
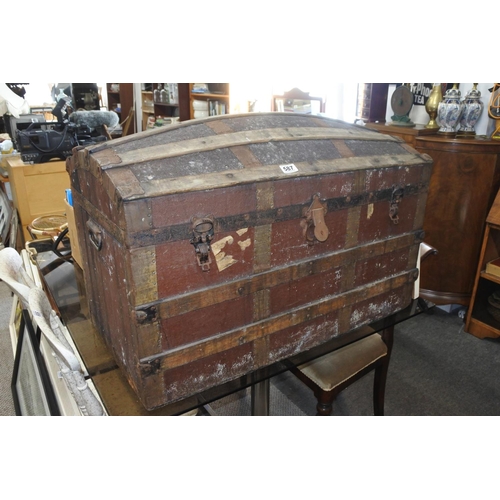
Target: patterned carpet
x=239, y=404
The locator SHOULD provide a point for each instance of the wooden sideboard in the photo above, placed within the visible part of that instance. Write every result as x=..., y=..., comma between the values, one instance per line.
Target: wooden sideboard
x=464, y=182
x=408, y=134
x=37, y=190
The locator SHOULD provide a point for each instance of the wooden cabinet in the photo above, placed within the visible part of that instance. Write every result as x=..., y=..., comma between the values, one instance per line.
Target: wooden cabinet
x=464, y=182
x=166, y=107
x=37, y=190
x=121, y=100
x=201, y=104
x=483, y=317
x=408, y=134
x=160, y=102
x=372, y=102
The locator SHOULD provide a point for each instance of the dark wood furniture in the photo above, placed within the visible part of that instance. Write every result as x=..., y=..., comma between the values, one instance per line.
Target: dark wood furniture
x=371, y=104
x=464, y=182
x=408, y=134
x=330, y=374
x=164, y=109
x=482, y=318
x=123, y=96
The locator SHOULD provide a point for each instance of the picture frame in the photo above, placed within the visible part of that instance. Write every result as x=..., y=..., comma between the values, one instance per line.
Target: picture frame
x=31, y=388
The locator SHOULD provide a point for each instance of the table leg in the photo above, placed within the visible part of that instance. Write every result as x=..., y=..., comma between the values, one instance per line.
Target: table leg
x=260, y=398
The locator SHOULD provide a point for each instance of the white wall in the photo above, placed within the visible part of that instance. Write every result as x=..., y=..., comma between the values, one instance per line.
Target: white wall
x=419, y=116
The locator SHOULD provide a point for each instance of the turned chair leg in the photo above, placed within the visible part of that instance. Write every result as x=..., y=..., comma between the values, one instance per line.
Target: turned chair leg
x=325, y=403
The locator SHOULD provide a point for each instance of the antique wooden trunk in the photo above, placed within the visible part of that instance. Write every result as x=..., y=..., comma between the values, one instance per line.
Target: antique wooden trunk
x=218, y=246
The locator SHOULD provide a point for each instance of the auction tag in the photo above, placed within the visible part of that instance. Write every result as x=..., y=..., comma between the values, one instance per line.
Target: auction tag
x=289, y=169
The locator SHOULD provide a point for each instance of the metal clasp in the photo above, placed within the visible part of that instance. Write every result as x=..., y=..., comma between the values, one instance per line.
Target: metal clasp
x=314, y=223
x=203, y=232
x=396, y=197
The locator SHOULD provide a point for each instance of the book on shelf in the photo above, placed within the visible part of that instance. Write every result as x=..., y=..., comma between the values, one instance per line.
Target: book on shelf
x=216, y=107
x=493, y=267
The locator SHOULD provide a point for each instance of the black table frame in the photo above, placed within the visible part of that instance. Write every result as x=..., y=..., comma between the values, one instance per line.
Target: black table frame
x=71, y=276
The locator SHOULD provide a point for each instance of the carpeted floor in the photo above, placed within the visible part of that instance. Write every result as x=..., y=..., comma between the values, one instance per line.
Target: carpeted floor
x=6, y=356
x=436, y=369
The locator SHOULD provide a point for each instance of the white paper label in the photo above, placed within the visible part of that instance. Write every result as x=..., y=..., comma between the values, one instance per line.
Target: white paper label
x=289, y=169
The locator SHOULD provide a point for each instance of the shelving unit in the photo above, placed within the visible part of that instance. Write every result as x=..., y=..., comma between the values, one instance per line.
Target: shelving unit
x=183, y=108
x=121, y=100
x=480, y=321
x=153, y=109
x=217, y=99
x=147, y=104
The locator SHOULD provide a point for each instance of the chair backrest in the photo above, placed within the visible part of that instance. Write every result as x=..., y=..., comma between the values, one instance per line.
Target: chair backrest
x=297, y=101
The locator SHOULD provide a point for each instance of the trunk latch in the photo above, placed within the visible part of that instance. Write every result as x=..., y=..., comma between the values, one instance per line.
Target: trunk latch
x=396, y=197
x=203, y=232
x=314, y=223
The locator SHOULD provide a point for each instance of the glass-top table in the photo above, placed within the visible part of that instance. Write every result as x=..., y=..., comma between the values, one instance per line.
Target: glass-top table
x=64, y=284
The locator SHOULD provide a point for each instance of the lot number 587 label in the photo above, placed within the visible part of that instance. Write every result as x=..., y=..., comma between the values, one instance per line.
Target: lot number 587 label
x=289, y=169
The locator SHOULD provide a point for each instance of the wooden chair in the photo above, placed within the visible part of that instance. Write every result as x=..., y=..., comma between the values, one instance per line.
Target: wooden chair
x=296, y=100
x=330, y=374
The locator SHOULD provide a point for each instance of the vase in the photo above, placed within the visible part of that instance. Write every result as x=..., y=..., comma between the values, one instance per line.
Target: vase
x=472, y=109
x=431, y=106
x=450, y=111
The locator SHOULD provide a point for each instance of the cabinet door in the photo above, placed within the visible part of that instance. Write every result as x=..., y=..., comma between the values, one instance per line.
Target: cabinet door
x=465, y=179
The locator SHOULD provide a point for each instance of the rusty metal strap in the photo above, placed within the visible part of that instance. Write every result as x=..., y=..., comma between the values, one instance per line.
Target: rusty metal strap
x=262, y=217
x=190, y=183
x=244, y=138
x=223, y=292
x=264, y=328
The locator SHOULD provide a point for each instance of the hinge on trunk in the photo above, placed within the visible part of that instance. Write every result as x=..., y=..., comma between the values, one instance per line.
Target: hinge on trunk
x=203, y=232
x=396, y=196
